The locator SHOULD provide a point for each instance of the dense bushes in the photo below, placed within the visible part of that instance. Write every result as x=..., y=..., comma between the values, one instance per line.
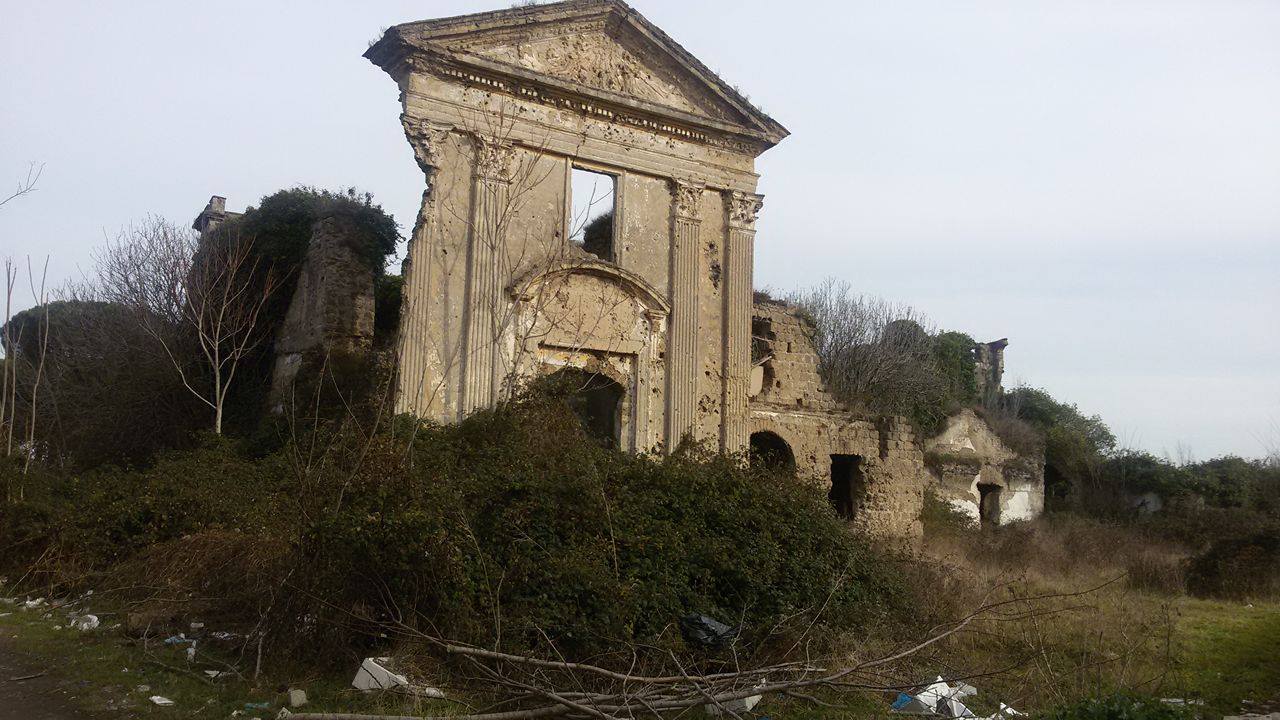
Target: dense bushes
x=1120, y=706
x=510, y=528
x=514, y=514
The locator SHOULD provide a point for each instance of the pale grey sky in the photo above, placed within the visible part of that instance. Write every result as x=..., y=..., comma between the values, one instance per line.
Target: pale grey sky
x=1098, y=181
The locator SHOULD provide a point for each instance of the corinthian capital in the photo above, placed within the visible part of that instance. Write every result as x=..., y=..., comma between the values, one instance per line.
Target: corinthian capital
x=427, y=140
x=687, y=197
x=495, y=159
x=743, y=208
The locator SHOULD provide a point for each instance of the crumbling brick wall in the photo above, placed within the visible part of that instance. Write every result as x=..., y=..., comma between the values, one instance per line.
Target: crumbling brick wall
x=790, y=402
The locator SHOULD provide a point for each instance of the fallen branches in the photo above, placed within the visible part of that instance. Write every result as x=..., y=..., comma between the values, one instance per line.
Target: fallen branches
x=558, y=688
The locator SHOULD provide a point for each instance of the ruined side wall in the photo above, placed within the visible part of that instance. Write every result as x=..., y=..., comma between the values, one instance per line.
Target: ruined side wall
x=332, y=305
x=793, y=404
x=967, y=455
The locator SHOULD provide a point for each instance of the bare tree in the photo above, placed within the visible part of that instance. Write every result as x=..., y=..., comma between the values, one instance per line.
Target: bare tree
x=34, y=171
x=870, y=351
x=199, y=299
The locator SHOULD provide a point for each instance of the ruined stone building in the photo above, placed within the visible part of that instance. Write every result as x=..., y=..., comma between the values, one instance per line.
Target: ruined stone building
x=589, y=211
x=530, y=125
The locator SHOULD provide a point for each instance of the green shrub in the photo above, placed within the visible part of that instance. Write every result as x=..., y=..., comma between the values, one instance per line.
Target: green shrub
x=1238, y=567
x=511, y=529
x=1119, y=707
x=513, y=526
x=939, y=516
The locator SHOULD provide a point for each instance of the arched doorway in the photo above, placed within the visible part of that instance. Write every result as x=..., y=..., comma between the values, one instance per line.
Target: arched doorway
x=597, y=401
x=771, y=452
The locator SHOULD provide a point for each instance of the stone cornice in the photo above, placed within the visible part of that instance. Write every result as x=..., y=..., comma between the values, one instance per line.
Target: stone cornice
x=526, y=85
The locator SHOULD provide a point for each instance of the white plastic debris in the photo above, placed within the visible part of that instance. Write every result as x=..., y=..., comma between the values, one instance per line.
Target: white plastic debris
x=85, y=623
x=191, y=653
x=940, y=699
x=297, y=698
x=161, y=700
x=740, y=705
x=374, y=674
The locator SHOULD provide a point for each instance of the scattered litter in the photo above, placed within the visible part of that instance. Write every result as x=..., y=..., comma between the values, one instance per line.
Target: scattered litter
x=191, y=652
x=297, y=698
x=734, y=707
x=197, y=626
x=57, y=627
x=706, y=632
x=942, y=700
x=222, y=635
x=161, y=700
x=179, y=639
x=85, y=623
x=33, y=604
x=374, y=674
x=217, y=674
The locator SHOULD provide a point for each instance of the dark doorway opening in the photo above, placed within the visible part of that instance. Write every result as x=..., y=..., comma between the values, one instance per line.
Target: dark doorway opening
x=848, y=484
x=989, y=504
x=771, y=452
x=597, y=401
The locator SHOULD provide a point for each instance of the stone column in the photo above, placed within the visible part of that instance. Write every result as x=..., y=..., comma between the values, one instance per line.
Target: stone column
x=486, y=244
x=742, y=209
x=682, y=349
x=418, y=380
x=648, y=432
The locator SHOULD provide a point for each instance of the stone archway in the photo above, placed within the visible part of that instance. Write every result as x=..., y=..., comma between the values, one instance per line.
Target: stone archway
x=768, y=450
x=601, y=320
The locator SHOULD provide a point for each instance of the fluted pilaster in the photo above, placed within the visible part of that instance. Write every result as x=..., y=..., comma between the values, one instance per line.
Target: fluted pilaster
x=494, y=161
x=417, y=377
x=682, y=350
x=742, y=209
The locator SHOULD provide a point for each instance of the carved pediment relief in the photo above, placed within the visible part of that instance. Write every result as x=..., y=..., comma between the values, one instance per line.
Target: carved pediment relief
x=600, y=61
x=596, y=55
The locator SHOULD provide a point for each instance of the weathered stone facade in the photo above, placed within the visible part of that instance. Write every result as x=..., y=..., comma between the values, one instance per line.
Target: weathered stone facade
x=501, y=110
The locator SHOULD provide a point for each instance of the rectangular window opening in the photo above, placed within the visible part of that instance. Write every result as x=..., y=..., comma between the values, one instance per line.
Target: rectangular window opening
x=592, y=202
x=848, y=485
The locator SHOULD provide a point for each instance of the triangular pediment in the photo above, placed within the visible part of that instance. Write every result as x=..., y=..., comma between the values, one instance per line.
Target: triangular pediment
x=600, y=47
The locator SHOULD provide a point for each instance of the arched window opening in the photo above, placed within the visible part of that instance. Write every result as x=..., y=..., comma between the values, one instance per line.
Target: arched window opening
x=771, y=452
x=597, y=401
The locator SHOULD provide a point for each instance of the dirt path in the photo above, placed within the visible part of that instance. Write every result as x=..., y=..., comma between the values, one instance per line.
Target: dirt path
x=36, y=698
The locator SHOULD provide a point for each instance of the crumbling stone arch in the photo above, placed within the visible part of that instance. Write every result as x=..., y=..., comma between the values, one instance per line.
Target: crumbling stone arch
x=769, y=450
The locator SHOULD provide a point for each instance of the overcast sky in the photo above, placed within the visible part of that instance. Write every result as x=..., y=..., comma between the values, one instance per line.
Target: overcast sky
x=1097, y=181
